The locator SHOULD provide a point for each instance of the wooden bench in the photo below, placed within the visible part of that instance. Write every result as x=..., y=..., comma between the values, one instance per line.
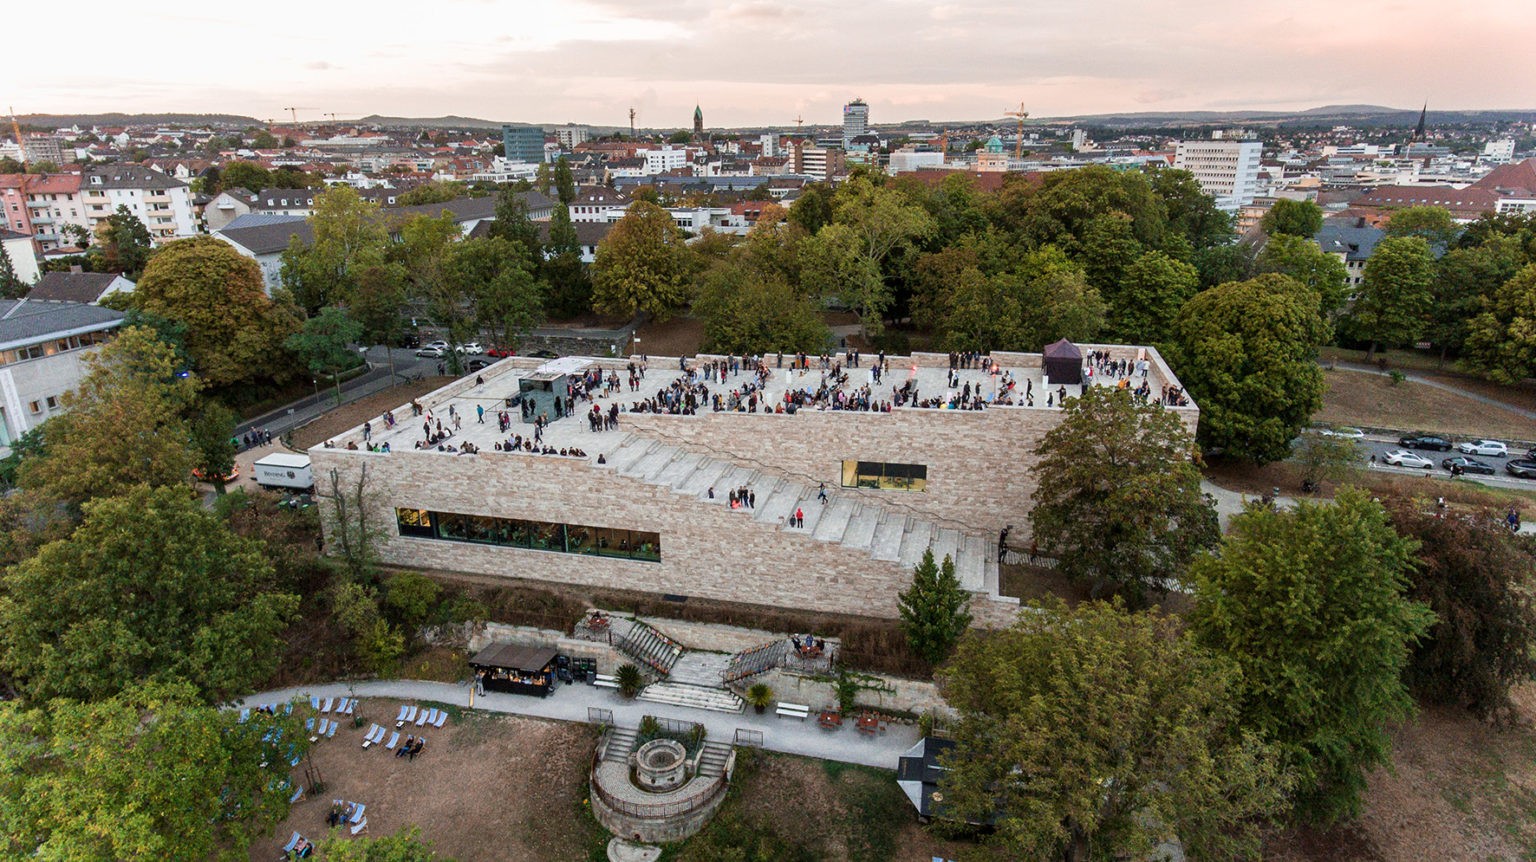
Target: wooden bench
x=603, y=680
x=793, y=710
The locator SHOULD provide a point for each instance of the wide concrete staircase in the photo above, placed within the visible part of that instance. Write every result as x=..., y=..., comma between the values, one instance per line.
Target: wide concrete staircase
x=883, y=532
x=695, y=696
x=649, y=648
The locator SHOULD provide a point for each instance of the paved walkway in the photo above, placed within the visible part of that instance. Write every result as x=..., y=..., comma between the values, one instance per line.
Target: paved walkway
x=570, y=703
x=1435, y=384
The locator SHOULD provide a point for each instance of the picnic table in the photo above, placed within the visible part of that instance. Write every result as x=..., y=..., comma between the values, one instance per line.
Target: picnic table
x=831, y=719
x=870, y=723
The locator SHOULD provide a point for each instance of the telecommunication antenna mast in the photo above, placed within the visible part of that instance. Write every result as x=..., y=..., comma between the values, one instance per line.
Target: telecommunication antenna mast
x=631, y=124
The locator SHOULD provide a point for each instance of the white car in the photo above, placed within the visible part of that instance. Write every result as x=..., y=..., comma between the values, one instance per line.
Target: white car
x=437, y=345
x=473, y=348
x=430, y=351
x=1483, y=447
x=1404, y=458
x=1351, y=433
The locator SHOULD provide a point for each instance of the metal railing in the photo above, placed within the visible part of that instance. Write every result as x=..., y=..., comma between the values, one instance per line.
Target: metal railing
x=691, y=802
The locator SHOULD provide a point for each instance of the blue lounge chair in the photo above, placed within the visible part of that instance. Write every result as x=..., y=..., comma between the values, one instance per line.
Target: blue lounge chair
x=292, y=843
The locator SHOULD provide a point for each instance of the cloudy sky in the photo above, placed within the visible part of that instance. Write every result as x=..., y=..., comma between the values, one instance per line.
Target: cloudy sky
x=756, y=62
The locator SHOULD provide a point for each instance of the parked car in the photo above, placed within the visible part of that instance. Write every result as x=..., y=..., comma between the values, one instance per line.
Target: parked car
x=1483, y=447
x=477, y=364
x=1467, y=465
x=1521, y=468
x=1404, y=458
x=1351, y=433
x=1425, y=441
x=431, y=352
x=408, y=339
x=439, y=344
x=473, y=348
x=501, y=352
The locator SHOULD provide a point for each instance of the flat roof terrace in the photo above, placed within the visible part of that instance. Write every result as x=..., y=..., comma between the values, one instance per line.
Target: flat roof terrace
x=469, y=407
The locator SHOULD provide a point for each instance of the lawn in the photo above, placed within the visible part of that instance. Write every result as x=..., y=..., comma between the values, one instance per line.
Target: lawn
x=1373, y=401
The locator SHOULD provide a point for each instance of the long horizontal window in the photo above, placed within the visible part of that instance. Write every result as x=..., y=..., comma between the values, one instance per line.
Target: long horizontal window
x=885, y=477
x=531, y=535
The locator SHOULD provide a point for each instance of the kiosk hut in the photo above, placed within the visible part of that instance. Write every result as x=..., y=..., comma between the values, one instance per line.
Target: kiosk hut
x=515, y=669
x=1063, y=364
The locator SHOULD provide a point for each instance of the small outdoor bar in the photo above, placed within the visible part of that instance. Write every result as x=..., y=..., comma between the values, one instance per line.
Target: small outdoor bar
x=515, y=669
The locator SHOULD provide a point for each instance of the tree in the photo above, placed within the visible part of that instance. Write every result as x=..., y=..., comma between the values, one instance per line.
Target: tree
x=1149, y=296
x=834, y=267
x=747, y=309
x=11, y=286
x=80, y=237
x=512, y=223
x=434, y=192
x=1325, y=458
x=568, y=289
x=643, y=265
x=125, y=243
x=377, y=644
x=812, y=210
x=497, y=277
x=1095, y=733
x=264, y=140
x=376, y=305
x=124, y=426
x=1119, y=502
x=247, y=175
x=1476, y=577
x=1501, y=341
x=91, y=614
x=1467, y=277
x=1302, y=259
x=1248, y=354
x=147, y=774
x=1434, y=225
x=213, y=439
x=1191, y=212
x=934, y=609
x=349, y=236
x=325, y=342
x=1220, y=264
x=1311, y=604
x=887, y=229
x=1293, y=218
x=1394, y=298
x=1058, y=210
x=565, y=182
x=235, y=332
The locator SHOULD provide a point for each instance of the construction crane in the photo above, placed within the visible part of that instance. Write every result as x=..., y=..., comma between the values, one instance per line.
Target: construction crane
x=1018, y=143
x=20, y=144
x=799, y=121
x=295, y=112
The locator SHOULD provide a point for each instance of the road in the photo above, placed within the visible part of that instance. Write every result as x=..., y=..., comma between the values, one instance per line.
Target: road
x=290, y=416
x=1380, y=446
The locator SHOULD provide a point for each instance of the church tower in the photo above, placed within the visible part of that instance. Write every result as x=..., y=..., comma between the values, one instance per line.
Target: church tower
x=698, y=122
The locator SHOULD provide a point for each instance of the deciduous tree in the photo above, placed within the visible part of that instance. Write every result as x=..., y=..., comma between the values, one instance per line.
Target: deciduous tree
x=567, y=285
x=1119, y=501
x=235, y=332
x=1294, y=218
x=643, y=265
x=1095, y=733
x=150, y=773
x=1149, y=296
x=1247, y=352
x=934, y=609
x=496, y=276
x=750, y=309
x=1502, y=340
x=324, y=343
x=1394, y=300
x=1302, y=259
x=1434, y=225
x=1312, y=605
x=123, y=243
x=150, y=586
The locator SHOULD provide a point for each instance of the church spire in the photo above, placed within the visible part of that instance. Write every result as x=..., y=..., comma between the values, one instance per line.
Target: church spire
x=698, y=122
x=1419, y=130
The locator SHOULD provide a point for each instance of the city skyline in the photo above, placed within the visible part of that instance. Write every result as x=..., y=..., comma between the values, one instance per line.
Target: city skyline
x=756, y=63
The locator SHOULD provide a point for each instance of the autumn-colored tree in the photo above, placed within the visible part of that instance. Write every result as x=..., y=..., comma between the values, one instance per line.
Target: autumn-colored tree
x=235, y=332
x=643, y=265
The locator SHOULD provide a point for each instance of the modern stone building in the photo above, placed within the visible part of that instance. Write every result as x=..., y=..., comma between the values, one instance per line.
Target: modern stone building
x=654, y=515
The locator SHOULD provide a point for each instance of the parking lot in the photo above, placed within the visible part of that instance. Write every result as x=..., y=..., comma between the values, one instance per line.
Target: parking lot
x=1379, y=446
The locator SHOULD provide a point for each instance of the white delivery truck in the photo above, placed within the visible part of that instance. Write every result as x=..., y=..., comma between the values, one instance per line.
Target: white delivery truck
x=283, y=470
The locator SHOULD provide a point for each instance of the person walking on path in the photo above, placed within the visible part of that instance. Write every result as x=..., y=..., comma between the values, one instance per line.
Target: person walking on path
x=821, y=493
x=480, y=413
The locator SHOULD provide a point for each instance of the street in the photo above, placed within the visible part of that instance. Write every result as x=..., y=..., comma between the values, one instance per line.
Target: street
x=1379, y=446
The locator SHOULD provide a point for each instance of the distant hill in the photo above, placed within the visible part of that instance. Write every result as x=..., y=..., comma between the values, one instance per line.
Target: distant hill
x=57, y=121
x=1358, y=115
x=450, y=122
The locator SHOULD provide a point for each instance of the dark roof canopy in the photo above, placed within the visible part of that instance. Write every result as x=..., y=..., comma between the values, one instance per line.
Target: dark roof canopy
x=1062, y=349
x=515, y=657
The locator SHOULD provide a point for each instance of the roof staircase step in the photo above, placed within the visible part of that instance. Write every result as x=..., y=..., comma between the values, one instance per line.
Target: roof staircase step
x=861, y=527
x=886, y=544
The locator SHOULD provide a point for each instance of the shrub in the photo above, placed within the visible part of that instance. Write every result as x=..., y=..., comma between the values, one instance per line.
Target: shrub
x=630, y=680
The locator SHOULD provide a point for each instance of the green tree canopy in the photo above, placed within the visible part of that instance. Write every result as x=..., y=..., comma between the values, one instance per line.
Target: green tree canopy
x=1119, y=501
x=149, y=773
x=434, y=192
x=1477, y=578
x=1095, y=733
x=835, y=267
x=1059, y=209
x=1502, y=340
x=568, y=289
x=235, y=332
x=565, y=182
x=92, y=614
x=213, y=440
x=349, y=236
x=247, y=175
x=11, y=285
x=643, y=265
x=1191, y=212
x=126, y=425
x=1434, y=225
x=748, y=307
x=1393, y=304
x=495, y=274
x=1293, y=218
x=933, y=608
x=1302, y=259
x=324, y=343
x=1312, y=605
x=1466, y=278
x=124, y=243
x=1247, y=352
x=513, y=224
x=812, y=210
x=1149, y=296
x=404, y=846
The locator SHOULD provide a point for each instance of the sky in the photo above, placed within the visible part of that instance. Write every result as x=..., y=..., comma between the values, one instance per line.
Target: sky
x=756, y=62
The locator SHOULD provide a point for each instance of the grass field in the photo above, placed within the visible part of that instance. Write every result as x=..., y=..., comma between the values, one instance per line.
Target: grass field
x=1371, y=400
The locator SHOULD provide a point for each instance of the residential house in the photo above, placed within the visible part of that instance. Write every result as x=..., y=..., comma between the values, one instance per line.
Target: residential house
x=227, y=206
x=88, y=288
x=163, y=203
x=18, y=247
x=42, y=350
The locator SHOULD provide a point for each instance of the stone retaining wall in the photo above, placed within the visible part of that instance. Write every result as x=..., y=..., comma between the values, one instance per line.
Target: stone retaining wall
x=886, y=692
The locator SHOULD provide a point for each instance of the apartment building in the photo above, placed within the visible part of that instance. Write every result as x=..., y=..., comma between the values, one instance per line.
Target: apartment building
x=42, y=348
x=1226, y=170
x=161, y=202
x=54, y=202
